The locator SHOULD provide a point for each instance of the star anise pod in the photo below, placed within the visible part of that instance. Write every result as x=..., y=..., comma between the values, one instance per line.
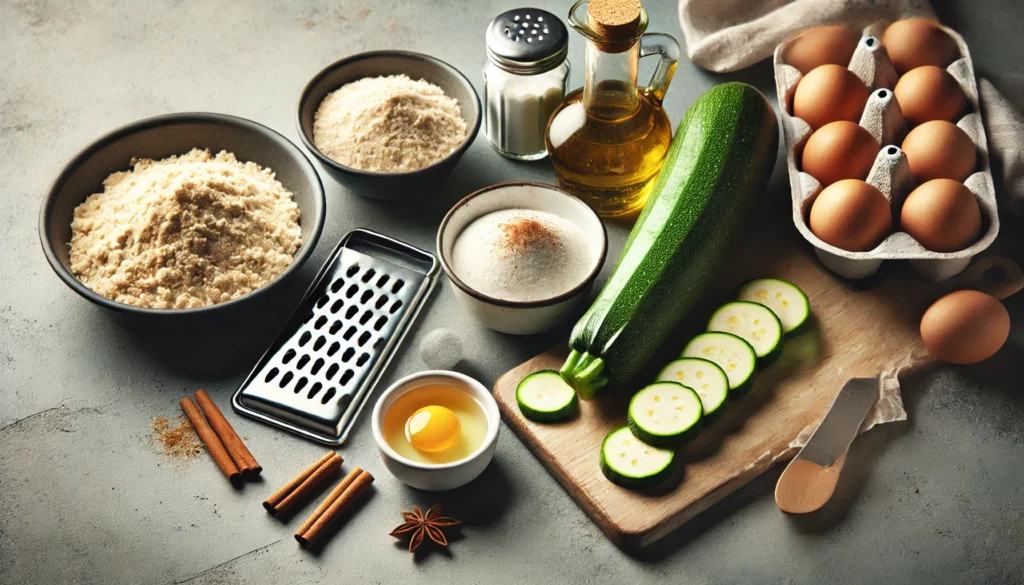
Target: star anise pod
x=417, y=524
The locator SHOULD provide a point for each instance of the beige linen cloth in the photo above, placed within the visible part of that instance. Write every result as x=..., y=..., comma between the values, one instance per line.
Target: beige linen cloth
x=726, y=35
x=1004, y=126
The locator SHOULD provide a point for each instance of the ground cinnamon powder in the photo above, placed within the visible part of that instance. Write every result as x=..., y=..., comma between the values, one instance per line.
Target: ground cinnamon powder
x=524, y=235
x=522, y=255
x=179, y=441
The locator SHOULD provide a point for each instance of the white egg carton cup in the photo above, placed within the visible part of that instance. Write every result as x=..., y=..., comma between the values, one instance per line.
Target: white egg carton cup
x=890, y=173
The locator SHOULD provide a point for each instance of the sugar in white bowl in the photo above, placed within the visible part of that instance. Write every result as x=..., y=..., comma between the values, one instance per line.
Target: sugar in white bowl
x=522, y=255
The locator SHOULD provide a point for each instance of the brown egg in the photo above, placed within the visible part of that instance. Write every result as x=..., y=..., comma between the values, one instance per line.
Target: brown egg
x=829, y=93
x=822, y=45
x=940, y=150
x=916, y=42
x=839, y=150
x=965, y=327
x=852, y=215
x=942, y=215
x=930, y=93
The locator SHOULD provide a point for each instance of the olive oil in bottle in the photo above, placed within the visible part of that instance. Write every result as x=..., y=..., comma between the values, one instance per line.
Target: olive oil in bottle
x=608, y=140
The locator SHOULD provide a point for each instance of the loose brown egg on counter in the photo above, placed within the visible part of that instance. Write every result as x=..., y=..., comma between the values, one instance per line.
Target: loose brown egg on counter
x=851, y=215
x=822, y=45
x=839, y=150
x=930, y=93
x=829, y=93
x=916, y=42
x=942, y=214
x=939, y=150
x=965, y=327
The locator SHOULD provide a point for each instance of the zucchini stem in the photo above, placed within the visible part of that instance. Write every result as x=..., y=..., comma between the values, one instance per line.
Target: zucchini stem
x=582, y=371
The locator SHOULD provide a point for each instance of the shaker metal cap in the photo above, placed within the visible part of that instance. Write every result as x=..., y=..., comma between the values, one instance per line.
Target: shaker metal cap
x=527, y=41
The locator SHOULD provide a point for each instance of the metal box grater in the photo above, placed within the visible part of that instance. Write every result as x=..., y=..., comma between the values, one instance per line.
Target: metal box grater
x=318, y=374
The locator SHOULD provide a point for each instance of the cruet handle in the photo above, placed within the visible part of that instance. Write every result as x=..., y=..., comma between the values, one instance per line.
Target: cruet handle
x=667, y=48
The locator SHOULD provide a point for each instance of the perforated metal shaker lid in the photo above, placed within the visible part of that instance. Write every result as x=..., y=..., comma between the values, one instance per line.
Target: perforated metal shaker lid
x=527, y=41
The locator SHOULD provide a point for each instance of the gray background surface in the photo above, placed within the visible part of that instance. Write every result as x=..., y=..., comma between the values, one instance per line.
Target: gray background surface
x=87, y=497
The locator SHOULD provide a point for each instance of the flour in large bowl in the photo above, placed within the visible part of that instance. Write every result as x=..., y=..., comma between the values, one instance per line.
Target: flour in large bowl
x=185, y=232
x=522, y=255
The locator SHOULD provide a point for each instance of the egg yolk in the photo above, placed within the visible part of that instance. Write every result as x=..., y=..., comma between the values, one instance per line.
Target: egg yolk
x=433, y=429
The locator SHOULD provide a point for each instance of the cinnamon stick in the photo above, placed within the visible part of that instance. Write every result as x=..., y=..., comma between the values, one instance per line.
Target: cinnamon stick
x=299, y=488
x=347, y=481
x=210, y=439
x=287, y=488
x=239, y=453
x=341, y=504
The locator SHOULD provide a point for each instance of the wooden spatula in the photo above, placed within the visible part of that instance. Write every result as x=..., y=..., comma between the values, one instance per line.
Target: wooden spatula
x=809, y=480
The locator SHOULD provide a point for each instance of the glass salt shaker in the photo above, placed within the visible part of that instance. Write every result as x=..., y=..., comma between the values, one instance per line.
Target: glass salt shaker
x=525, y=80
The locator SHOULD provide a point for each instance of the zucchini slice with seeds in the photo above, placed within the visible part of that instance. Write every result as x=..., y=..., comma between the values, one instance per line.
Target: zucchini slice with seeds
x=545, y=397
x=706, y=378
x=755, y=323
x=731, y=353
x=665, y=414
x=785, y=299
x=629, y=462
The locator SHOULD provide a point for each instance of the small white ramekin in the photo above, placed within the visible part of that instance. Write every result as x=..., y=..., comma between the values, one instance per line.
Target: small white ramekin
x=437, y=476
x=518, y=317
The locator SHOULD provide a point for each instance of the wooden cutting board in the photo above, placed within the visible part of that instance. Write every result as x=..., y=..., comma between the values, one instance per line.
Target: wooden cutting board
x=857, y=330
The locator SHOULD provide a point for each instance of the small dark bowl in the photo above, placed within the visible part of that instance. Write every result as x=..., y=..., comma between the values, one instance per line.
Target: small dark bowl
x=164, y=136
x=389, y=186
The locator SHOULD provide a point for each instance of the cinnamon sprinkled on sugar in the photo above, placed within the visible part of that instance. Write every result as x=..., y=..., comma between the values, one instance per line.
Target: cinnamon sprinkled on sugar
x=525, y=234
x=522, y=255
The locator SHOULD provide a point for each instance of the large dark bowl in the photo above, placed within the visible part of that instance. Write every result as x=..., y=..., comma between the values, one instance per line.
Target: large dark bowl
x=164, y=136
x=389, y=186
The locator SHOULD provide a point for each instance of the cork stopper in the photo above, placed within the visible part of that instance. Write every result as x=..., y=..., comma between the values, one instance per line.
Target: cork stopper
x=614, y=19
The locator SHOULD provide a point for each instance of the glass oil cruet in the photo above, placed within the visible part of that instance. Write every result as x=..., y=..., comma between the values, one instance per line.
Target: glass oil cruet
x=608, y=139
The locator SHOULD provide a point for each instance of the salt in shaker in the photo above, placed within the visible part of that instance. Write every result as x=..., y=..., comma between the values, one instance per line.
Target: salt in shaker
x=525, y=79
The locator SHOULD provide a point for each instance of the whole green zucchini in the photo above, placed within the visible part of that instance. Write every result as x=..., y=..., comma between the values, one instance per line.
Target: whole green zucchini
x=720, y=158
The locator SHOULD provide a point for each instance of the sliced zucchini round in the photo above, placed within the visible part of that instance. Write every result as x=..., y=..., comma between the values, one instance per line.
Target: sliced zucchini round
x=631, y=463
x=545, y=397
x=733, y=354
x=665, y=414
x=706, y=378
x=785, y=299
x=755, y=323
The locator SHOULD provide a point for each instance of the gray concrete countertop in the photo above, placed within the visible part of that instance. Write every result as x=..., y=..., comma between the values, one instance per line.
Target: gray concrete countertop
x=87, y=497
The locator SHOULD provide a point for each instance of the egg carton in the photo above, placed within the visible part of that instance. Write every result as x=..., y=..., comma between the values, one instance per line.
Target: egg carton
x=890, y=173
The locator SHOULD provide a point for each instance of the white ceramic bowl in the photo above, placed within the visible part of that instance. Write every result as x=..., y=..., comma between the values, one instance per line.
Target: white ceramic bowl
x=518, y=317
x=439, y=476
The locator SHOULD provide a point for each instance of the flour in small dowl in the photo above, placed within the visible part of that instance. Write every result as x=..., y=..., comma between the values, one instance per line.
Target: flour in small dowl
x=390, y=124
